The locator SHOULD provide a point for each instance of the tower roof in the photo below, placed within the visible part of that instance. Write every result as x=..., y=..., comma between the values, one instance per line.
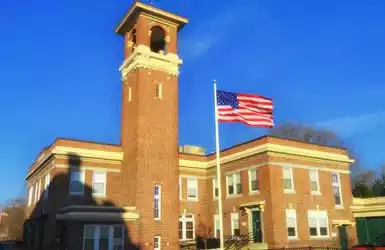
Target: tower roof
x=137, y=8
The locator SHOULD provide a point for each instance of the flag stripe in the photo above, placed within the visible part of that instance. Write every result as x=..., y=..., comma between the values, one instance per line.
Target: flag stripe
x=253, y=110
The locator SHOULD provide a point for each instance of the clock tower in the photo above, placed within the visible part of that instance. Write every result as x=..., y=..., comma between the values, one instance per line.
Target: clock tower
x=149, y=122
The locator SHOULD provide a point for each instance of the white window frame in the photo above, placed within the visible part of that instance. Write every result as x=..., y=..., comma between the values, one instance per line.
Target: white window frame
x=82, y=175
x=193, y=181
x=215, y=187
x=180, y=188
x=318, y=215
x=292, y=214
x=184, y=218
x=104, y=182
x=158, y=197
x=233, y=176
x=157, y=239
x=30, y=195
x=337, y=185
x=288, y=191
x=250, y=175
x=96, y=236
x=47, y=180
x=216, y=227
x=318, y=191
x=234, y=216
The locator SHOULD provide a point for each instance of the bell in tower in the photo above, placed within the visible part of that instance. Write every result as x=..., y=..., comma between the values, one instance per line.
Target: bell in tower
x=149, y=123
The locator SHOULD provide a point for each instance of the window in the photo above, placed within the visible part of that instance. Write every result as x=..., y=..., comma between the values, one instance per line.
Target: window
x=157, y=200
x=288, y=185
x=133, y=39
x=157, y=243
x=30, y=195
x=314, y=181
x=47, y=180
x=99, y=183
x=336, y=189
x=217, y=227
x=157, y=41
x=129, y=94
x=39, y=192
x=234, y=184
x=36, y=191
x=235, y=224
x=215, y=188
x=103, y=237
x=318, y=223
x=158, y=90
x=180, y=188
x=253, y=181
x=77, y=182
x=192, y=188
x=291, y=223
x=89, y=237
x=186, y=227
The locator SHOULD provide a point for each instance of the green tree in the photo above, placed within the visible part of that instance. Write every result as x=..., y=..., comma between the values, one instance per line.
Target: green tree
x=360, y=189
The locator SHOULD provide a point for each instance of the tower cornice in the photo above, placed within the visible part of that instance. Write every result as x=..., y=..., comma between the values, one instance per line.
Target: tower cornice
x=143, y=57
x=130, y=18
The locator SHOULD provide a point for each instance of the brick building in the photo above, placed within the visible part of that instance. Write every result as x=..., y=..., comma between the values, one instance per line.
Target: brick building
x=146, y=193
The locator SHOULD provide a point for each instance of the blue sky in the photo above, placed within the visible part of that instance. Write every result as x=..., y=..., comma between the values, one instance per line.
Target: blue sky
x=321, y=61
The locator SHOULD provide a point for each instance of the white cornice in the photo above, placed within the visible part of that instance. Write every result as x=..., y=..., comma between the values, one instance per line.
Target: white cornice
x=271, y=149
x=78, y=152
x=143, y=57
x=90, y=153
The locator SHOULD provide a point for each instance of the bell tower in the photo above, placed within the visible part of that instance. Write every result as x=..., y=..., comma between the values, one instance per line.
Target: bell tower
x=149, y=122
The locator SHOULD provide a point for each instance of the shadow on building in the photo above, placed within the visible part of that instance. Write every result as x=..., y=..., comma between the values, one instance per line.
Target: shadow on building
x=63, y=220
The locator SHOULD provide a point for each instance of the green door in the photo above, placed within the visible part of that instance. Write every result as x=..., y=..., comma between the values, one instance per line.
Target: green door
x=343, y=235
x=257, y=232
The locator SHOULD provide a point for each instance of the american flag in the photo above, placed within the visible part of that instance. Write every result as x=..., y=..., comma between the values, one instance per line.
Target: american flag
x=253, y=110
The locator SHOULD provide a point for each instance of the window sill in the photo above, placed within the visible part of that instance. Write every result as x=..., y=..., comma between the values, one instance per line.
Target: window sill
x=315, y=193
x=286, y=191
x=254, y=192
x=292, y=238
x=320, y=237
x=193, y=199
x=339, y=207
x=233, y=196
x=186, y=239
x=76, y=194
x=99, y=195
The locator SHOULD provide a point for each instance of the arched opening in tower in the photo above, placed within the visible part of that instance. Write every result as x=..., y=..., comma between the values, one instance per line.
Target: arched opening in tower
x=133, y=39
x=157, y=42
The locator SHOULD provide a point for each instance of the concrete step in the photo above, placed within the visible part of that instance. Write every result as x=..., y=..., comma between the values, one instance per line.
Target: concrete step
x=255, y=246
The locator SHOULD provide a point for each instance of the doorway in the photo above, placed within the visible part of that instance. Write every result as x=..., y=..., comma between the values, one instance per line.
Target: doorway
x=343, y=236
x=256, y=223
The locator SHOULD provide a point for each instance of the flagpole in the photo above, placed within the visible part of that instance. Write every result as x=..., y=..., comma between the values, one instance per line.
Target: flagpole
x=220, y=211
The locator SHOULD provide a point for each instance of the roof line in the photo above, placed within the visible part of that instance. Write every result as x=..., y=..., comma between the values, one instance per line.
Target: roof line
x=276, y=137
x=86, y=141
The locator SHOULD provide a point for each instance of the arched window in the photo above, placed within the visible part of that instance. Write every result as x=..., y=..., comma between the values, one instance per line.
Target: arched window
x=133, y=39
x=157, y=42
